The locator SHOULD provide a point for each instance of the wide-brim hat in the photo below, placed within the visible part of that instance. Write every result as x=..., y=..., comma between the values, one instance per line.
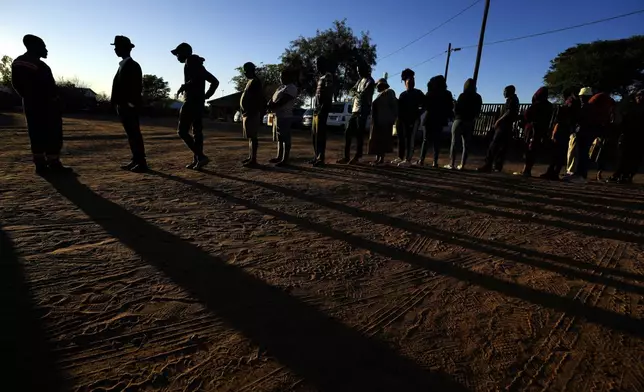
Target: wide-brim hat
x=122, y=41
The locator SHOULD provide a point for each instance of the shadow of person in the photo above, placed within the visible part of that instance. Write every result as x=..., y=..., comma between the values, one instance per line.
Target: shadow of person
x=30, y=362
x=325, y=352
x=571, y=306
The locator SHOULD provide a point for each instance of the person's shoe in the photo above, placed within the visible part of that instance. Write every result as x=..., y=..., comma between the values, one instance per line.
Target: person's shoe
x=201, y=162
x=404, y=164
x=282, y=164
x=56, y=166
x=41, y=169
x=419, y=163
x=319, y=164
x=523, y=174
x=129, y=166
x=251, y=164
x=396, y=161
x=576, y=179
x=448, y=167
x=275, y=160
x=140, y=168
x=484, y=169
x=192, y=164
x=599, y=176
x=245, y=161
x=435, y=165
x=460, y=167
x=312, y=161
x=613, y=179
x=354, y=161
x=342, y=161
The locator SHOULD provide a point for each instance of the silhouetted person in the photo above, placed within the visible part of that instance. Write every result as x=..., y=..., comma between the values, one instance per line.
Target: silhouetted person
x=565, y=125
x=631, y=142
x=498, y=148
x=467, y=109
x=33, y=81
x=410, y=103
x=594, y=121
x=439, y=104
x=384, y=111
x=126, y=99
x=321, y=108
x=251, y=103
x=362, y=98
x=191, y=116
x=537, y=124
x=281, y=104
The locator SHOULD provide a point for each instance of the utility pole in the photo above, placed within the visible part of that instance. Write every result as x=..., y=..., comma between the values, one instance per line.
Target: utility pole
x=481, y=39
x=449, y=53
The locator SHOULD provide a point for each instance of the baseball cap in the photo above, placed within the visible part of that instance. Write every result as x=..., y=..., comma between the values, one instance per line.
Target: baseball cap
x=182, y=48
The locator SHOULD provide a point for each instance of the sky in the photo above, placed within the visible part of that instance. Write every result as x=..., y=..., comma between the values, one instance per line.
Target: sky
x=227, y=34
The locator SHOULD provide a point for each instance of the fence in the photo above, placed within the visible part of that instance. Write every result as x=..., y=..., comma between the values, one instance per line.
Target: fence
x=490, y=112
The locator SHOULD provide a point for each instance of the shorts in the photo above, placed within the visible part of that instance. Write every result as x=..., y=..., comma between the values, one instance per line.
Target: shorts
x=250, y=125
x=282, y=129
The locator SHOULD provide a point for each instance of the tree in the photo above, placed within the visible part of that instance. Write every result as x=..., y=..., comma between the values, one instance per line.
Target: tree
x=616, y=67
x=5, y=70
x=155, y=89
x=340, y=46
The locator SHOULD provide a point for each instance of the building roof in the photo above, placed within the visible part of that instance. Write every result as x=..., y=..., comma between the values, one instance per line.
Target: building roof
x=228, y=101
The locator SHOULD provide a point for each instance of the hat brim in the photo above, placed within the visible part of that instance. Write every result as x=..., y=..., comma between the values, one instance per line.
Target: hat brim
x=174, y=52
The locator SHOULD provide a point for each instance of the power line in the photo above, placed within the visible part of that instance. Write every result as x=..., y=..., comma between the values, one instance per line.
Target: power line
x=557, y=30
x=424, y=62
x=544, y=33
x=432, y=30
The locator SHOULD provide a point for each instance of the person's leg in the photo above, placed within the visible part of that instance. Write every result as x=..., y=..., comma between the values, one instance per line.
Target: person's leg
x=54, y=139
x=424, y=145
x=584, y=142
x=436, y=144
x=362, y=126
x=315, y=137
x=349, y=130
x=502, y=149
x=402, y=140
x=571, y=164
x=37, y=130
x=321, y=139
x=492, y=150
x=132, y=127
x=467, y=132
x=456, y=135
x=411, y=140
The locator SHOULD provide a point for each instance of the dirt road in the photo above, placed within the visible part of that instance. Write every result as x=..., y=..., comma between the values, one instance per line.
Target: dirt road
x=300, y=279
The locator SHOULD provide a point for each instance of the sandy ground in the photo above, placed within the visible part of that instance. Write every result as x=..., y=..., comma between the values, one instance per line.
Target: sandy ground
x=301, y=279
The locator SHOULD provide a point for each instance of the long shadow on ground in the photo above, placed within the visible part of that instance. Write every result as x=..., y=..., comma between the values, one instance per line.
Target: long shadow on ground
x=30, y=363
x=573, y=307
x=326, y=353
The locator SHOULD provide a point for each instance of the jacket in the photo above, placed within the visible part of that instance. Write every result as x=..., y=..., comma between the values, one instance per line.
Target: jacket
x=127, y=86
x=33, y=80
x=469, y=103
x=385, y=109
x=195, y=77
x=539, y=115
x=439, y=103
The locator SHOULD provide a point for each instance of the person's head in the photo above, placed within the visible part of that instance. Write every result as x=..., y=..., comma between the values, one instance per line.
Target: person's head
x=469, y=86
x=122, y=46
x=322, y=65
x=249, y=70
x=540, y=95
x=288, y=76
x=35, y=46
x=585, y=94
x=364, y=70
x=568, y=92
x=182, y=52
x=409, y=78
x=382, y=85
x=509, y=91
x=639, y=97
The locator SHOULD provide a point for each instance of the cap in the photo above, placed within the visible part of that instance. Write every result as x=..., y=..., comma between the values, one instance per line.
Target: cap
x=182, y=48
x=586, y=92
x=121, y=40
x=31, y=41
x=382, y=81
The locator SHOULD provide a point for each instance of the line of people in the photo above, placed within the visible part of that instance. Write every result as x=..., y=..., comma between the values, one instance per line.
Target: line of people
x=583, y=124
x=34, y=82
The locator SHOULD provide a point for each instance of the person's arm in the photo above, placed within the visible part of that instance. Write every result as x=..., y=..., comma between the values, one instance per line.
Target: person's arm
x=507, y=113
x=479, y=105
x=368, y=89
x=23, y=74
x=326, y=95
x=214, y=83
x=137, y=85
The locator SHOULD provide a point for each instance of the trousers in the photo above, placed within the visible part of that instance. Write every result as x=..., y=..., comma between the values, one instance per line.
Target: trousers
x=191, y=117
x=130, y=119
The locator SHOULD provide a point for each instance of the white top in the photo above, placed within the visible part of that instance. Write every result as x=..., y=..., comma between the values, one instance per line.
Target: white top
x=287, y=109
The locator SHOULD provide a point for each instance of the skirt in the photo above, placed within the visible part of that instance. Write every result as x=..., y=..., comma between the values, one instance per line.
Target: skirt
x=380, y=139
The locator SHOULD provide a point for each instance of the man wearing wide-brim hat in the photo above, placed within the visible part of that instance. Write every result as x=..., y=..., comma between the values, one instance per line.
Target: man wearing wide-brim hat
x=34, y=82
x=126, y=99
